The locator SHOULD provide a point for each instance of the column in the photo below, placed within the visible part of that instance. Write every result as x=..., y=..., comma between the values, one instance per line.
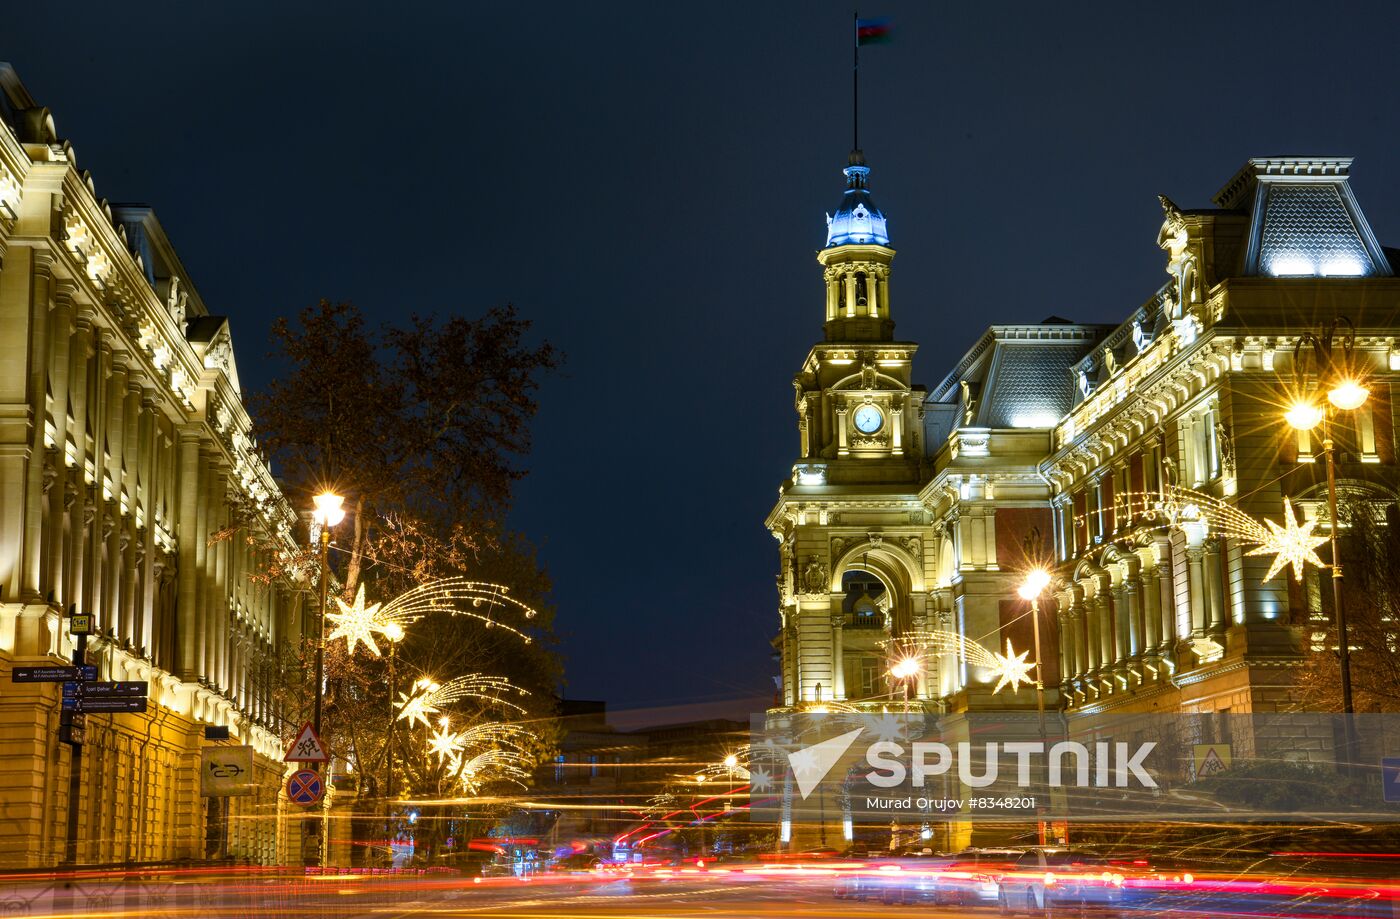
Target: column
x=145, y=490
x=1092, y=660
x=1215, y=594
x=188, y=539
x=897, y=430
x=850, y=294
x=1151, y=615
x=76, y=569
x=838, y=656
x=1132, y=625
x=1103, y=613
x=872, y=285
x=833, y=294
x=841, y=448
x=1166, y=594
x=39, y=349
x=1120, y=628
x=51, y=581
x=1195, y=557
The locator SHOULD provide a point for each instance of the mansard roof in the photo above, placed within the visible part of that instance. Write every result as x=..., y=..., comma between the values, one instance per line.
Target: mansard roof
x=1019, y=376
x=1304, y=220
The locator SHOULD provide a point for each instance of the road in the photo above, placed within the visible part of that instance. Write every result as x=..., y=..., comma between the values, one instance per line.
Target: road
x=680, y=895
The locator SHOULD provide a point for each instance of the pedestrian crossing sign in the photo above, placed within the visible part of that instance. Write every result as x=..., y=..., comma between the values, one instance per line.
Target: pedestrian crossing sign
x=1211, y=759
x=307, y=748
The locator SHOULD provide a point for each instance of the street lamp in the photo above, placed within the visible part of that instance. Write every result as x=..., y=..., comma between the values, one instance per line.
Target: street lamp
x=1031, y=588
x=1345, y=393
x=327, y=514
x=393, y=633
x=906, y=669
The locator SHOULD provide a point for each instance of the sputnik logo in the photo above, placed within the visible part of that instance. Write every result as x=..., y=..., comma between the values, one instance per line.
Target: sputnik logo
x=811, y=764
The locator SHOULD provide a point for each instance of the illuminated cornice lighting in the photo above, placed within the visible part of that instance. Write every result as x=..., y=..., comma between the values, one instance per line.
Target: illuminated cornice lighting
x=1035, y=420
x=1304, y=265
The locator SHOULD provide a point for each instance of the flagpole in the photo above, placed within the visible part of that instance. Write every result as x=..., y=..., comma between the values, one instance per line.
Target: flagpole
x=855, y=80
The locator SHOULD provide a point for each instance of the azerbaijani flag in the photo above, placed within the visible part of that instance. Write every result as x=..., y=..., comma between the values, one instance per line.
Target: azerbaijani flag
x=872, y=31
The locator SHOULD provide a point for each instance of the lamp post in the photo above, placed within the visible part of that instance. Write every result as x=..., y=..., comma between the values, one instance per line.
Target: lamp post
x=1345, y=393
x=393, y=633
x=1031, y=588
x=905, y=670
x=327, y=514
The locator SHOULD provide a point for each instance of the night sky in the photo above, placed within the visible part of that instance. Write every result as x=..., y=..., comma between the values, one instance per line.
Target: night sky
x=648, y=182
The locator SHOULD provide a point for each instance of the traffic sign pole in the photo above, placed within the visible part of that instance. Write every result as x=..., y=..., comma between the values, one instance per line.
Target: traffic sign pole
x=75, y=762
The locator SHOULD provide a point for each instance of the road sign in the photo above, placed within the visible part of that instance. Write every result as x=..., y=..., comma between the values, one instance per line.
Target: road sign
x=53, y=674
x=106, y=704
x=72, y=727
x=226, y=772
x=1390, y=779
x=106, y=688
x=305, y=788
x=80, y=624
x=306, y=748
x=1211, y=759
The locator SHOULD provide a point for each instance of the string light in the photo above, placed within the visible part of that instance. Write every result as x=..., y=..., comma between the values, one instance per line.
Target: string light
x=428, y=697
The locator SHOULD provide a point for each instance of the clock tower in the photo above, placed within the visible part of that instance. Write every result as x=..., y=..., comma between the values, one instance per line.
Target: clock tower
x=858, y=416
x=855, y=559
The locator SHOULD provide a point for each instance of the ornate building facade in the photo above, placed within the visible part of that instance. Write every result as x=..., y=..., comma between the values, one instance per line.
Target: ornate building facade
x=913, y=513
x=130, y=490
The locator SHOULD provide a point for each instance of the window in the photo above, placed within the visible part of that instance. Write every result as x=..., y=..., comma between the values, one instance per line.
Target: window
x=869, y=677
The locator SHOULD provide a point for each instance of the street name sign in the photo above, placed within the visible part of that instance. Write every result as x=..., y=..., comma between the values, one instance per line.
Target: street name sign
x=106, y=704
x=307, y=748
x=106, y=688
x=59, y=674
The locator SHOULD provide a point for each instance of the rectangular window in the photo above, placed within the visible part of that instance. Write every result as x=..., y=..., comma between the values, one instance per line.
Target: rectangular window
x=869, y=677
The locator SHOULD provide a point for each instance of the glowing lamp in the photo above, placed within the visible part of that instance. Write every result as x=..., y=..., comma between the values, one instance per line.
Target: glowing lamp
x=393, y=631
x=328, y=509
x=1034, y=584
x=731, y=761
x=1303, y=416
x=905, y=668
x=1348, y=395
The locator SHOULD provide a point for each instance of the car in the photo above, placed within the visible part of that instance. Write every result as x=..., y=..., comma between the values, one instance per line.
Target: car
x=973, y=876
x=1046, y=880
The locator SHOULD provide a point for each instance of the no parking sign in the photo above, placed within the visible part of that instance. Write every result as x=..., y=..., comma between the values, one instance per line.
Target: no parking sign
x=305, y=788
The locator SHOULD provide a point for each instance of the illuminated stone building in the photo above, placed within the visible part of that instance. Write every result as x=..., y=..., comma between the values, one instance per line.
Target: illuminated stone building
x=130, y=490
x=1052, y=442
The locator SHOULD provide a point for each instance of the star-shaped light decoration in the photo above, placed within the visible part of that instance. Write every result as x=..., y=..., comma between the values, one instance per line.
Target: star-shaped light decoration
x=1290, y=544
x=356, y=623
x=445, y=744
x=760, y=780
x=1012, y=669
x=416, y=708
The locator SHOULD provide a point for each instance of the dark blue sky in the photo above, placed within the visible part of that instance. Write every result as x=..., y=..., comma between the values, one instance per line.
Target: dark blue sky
x=647, y=182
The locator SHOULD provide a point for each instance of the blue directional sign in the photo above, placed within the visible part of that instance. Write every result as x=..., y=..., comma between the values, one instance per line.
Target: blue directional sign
x=305, y=788
x=1390, y=779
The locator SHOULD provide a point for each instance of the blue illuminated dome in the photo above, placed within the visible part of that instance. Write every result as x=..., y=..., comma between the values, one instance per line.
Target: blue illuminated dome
x=857, y=220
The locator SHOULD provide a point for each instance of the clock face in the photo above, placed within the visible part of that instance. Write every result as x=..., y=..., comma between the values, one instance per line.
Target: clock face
x=868, y=419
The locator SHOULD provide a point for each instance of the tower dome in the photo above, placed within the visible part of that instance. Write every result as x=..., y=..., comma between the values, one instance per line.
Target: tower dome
x=857, y=220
